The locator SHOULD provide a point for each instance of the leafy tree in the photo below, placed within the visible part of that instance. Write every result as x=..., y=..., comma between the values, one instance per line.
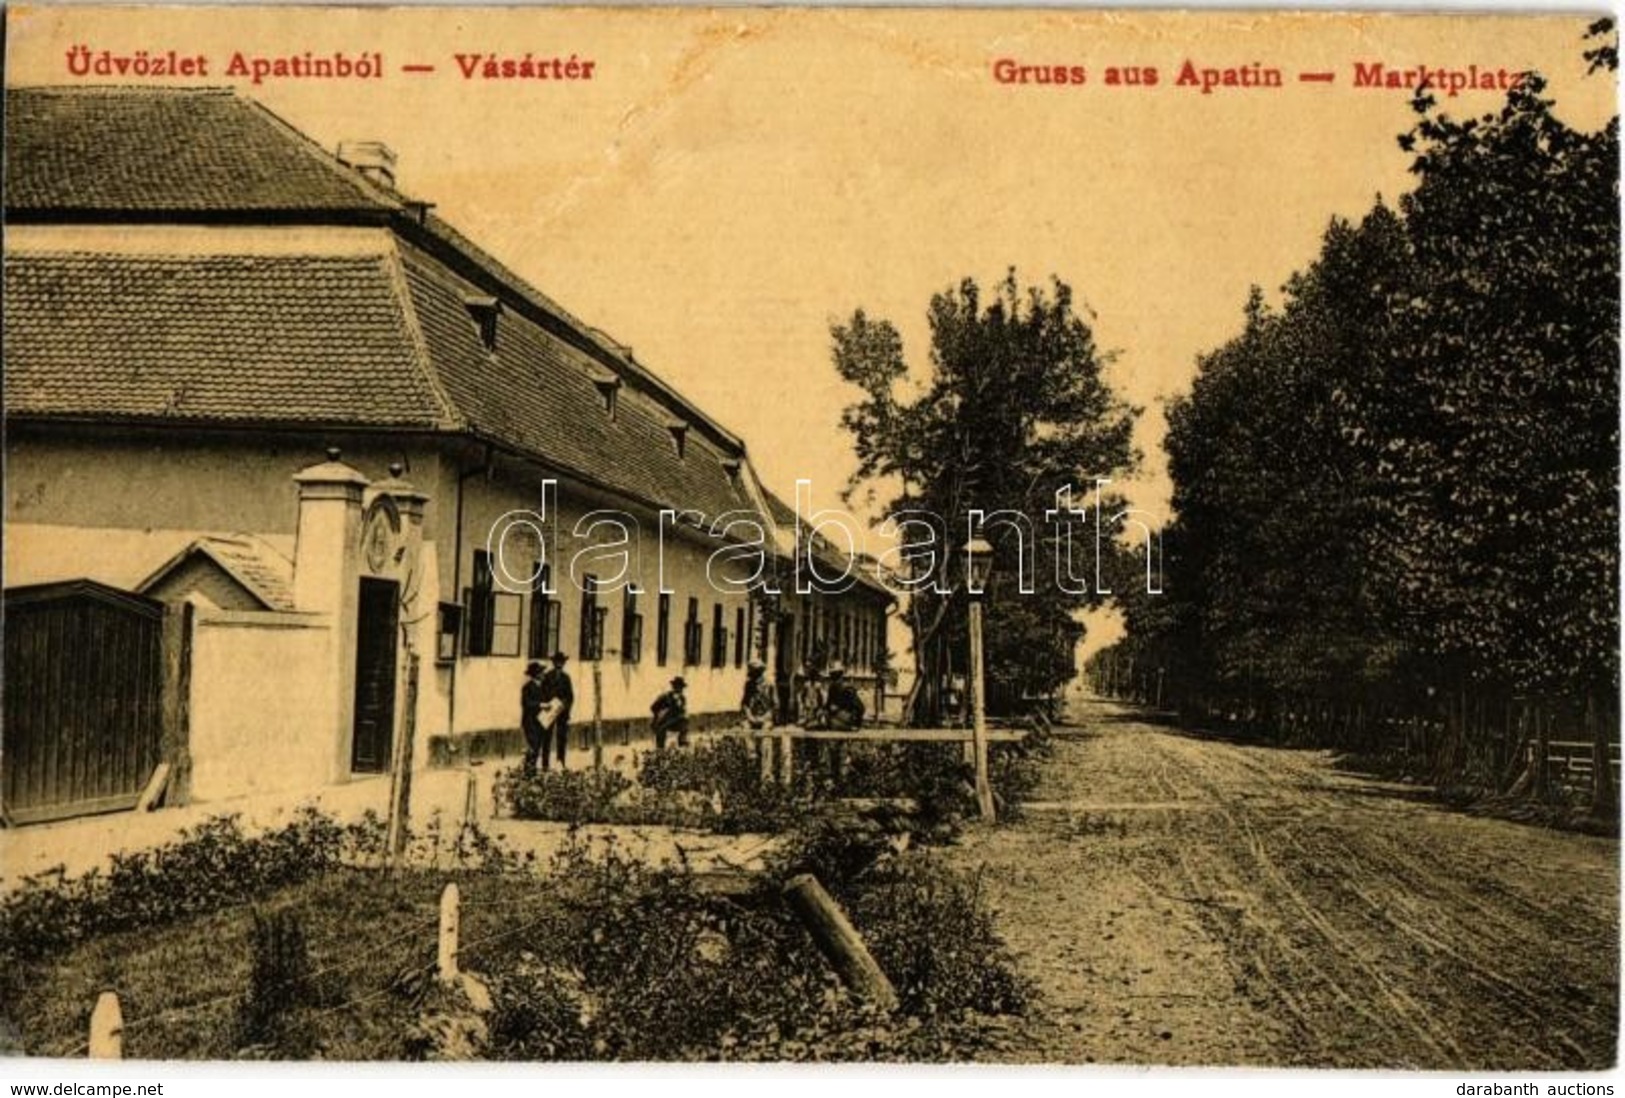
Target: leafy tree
x=1013, y=410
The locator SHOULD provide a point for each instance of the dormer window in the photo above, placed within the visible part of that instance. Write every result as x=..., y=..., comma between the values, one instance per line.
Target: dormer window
x=679, y=435
x=485, y=311
x=609, y=390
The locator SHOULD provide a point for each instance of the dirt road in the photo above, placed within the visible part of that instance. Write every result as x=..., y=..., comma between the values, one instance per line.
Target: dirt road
x=1186, y=900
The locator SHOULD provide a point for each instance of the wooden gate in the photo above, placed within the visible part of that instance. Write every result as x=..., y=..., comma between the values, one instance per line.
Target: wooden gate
x=84, y=680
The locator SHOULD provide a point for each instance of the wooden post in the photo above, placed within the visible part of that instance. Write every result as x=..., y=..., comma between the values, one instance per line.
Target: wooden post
x=1542, y=727
x=177, y=699
x=446, y=953
x=787, y=756
x=1604, y=797
x=764, y=748
x=155, y=789
x=984, y=788
x=839, y=940
x=400, y=792
x=471, y=809
x=107, y=1028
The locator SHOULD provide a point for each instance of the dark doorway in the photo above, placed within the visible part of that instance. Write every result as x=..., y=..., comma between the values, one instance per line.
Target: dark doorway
x=377, y=620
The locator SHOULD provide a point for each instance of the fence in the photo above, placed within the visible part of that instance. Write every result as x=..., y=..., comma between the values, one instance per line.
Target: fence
x=1475, y=735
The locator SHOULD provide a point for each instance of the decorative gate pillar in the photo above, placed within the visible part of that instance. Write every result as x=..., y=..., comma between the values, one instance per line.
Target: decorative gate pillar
x=325, y=563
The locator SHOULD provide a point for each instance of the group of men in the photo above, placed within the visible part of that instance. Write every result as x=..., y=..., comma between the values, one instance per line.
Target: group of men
x=547, y=697
x=545, y=702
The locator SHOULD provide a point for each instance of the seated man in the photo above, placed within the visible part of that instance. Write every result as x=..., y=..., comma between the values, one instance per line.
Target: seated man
x=843, y=707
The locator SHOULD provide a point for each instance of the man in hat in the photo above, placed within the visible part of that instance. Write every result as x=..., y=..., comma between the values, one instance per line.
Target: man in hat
x=530, y=716
x=810, y=698
x=842, y=706
x=670, y=712
x=557, y=688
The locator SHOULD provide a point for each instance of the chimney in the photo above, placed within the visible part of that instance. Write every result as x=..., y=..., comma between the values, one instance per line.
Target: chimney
x=373, y=159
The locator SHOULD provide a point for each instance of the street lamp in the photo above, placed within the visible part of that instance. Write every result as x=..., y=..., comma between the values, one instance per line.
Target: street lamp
x=978, y=566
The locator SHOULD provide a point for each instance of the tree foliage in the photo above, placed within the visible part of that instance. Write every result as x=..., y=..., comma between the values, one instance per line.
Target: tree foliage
x=1013, y=409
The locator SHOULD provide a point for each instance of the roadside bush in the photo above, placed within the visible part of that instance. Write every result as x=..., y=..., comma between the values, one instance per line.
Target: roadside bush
x=569, y=796
x=933, y=775
x=712, y=786
x=933, y=935
x=1014, y=769
x=716, y=786
x=211, y=866
x=838, y=848
x=721, y=784
x=644, y=966
x=926, y=924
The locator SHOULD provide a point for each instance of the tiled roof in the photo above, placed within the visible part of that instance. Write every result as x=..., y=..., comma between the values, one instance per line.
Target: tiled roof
x=441, y=230
x=860, y=566
x=782, y=512
x=285, y=339
x=167, y=149
x=306, y=338
x=258, y=568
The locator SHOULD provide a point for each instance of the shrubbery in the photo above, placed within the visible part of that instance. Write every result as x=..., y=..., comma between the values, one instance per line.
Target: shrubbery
x=613, y=960
x=718, y=787
x=569, y=796
x=641, y=965
x=933, y=935
x=713, y=786
x=210, y=867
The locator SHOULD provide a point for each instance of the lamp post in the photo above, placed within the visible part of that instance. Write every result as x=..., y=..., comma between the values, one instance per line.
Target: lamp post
x=978, y=565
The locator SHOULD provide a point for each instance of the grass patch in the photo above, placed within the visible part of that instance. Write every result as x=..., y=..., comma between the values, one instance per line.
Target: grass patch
x=183, y=986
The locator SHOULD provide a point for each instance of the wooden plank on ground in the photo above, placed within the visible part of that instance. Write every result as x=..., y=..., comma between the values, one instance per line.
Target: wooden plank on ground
x=155, y=788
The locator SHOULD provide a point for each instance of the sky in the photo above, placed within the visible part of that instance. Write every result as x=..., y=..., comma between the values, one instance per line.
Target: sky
x=732, y=181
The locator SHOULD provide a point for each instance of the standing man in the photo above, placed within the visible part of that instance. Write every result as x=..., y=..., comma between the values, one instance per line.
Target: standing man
x=556, y=687
x=530, y=717
x=670, y=712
